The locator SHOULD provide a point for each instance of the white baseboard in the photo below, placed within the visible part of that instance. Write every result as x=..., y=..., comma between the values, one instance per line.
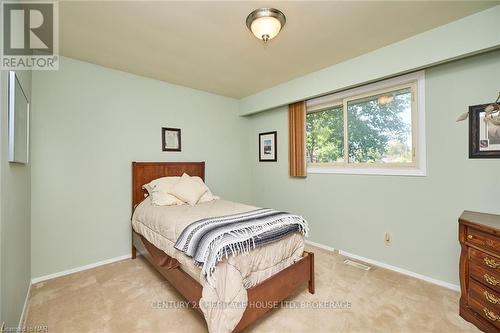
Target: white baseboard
x=389, y=267
x=24, y=313
x=402, y=271
x=321, y=246
x=79, y=269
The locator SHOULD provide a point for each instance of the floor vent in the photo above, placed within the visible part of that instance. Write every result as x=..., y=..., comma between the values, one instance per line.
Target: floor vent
x=357, y=265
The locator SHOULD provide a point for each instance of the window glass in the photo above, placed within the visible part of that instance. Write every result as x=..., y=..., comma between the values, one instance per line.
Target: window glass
x=325, y=136
x=379, y=128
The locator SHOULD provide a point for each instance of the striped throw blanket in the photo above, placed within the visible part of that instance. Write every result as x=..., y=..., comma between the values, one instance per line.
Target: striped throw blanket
x=210, y=240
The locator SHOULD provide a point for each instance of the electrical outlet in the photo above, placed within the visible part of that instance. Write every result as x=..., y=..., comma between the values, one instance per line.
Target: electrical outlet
x=388, y=239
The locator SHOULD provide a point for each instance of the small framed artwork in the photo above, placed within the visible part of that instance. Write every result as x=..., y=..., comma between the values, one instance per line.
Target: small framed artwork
x=170, y=139
x=484, y=134
x=267, y=147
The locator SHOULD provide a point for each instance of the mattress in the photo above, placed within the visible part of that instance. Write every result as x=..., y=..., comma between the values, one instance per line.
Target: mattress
x=161, y=225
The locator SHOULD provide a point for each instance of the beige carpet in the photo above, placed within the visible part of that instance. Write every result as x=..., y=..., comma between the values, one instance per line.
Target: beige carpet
x=119, y=297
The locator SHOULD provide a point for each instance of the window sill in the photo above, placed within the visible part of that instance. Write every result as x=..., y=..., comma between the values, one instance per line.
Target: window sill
x=414, y=172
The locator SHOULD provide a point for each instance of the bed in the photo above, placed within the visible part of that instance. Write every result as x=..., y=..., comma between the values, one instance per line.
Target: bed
x=289, y=279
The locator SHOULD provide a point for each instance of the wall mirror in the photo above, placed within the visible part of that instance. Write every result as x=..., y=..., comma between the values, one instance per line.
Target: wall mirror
x=18, y=121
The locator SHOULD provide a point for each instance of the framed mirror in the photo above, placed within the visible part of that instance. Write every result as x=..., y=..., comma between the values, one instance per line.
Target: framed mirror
x=19, y=117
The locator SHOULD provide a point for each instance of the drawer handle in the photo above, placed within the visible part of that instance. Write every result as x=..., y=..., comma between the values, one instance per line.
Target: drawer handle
x=491, y=262
x=491, y=298
x=491, y=315
x=490, y=279
x=469, y=236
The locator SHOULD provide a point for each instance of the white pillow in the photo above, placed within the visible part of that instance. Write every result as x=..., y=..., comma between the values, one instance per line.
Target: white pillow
x=188, y=190
x=158, y=191
x=208, y=196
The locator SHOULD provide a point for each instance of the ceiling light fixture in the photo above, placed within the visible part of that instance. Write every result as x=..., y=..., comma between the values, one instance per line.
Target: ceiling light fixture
x=266, y=23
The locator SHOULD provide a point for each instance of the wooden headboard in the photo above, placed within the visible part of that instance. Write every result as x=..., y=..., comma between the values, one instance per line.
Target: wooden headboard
x=144, y=172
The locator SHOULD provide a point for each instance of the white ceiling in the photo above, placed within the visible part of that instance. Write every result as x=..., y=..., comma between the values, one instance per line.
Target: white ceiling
x=206, y=45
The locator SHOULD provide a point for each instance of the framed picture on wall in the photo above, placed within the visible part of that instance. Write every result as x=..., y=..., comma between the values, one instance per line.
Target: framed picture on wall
x=171, y=139
x=268, y=147
x=484, y=133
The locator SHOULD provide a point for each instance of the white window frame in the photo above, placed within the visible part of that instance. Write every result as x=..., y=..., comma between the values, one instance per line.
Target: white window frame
x=419, y=167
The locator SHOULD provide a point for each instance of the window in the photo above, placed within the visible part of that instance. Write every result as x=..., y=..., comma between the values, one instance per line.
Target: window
x=375, y=129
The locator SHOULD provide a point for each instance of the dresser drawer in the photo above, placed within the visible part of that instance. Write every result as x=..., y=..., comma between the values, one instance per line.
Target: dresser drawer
x=485, y=260
x=484, y=308
x=484, y=295
x=481, y=239
x=479, y=236
x=487, y=277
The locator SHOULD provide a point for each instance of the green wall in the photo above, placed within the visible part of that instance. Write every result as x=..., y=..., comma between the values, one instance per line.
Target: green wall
x=352, y=212
x=15, y=182
x=88, y=124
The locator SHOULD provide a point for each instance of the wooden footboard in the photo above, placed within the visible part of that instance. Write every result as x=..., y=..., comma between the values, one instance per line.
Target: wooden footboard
x=269, y=292
x=276, y=288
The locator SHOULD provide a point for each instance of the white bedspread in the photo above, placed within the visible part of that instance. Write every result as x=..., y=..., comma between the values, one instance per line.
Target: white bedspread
x=161, y=225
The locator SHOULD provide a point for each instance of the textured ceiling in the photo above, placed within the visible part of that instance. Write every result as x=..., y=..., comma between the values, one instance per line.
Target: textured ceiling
x=206, y=45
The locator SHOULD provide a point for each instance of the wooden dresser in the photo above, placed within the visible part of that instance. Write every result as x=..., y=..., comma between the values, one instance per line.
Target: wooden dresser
x=479, y=236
